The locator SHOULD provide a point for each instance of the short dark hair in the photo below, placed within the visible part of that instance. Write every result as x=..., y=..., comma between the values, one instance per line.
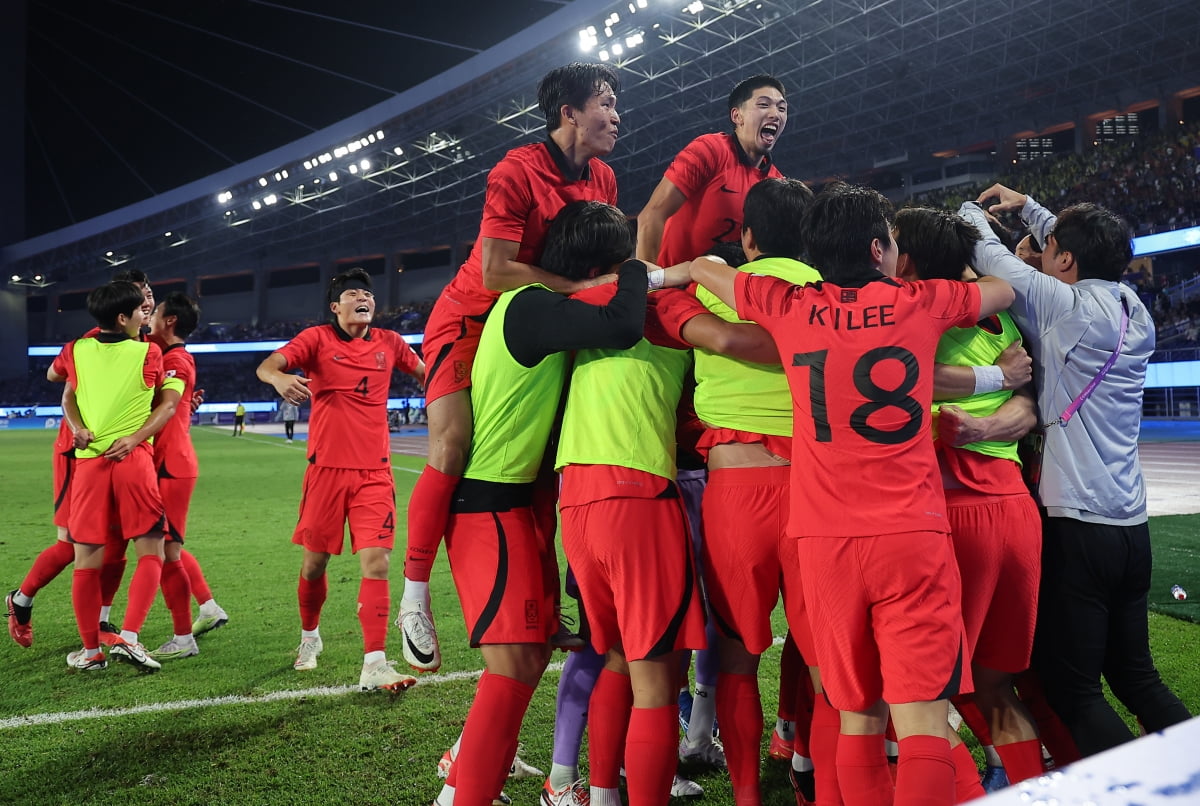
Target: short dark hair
x=185, y=310
x=586, y=235
x=1097, y=238
x=939, y=243
x=338, y=283
x=745, y=88
x=773, y=209
x=135, y=276
x=840, y=225
x=730, y=251
x=109, y=301
x=572, y=84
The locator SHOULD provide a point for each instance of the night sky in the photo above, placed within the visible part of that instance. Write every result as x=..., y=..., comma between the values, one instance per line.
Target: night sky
x=125, y=100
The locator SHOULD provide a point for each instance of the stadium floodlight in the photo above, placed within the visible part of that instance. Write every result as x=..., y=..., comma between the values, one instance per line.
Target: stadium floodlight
x=370, y=138
x=333, y=176
x=167, y=234
x=641, y=3
x=603, y=55
x=398, y=151
x=695, y=7
x=15, y=278
x=340, y=152
x=270, y=198
x=613, y=19
x=308, y=165
x=262, y=181
x=353, y=168
x=365, y=165
x=379, y=134
x=108, y=253
x=285, y=173
x=256, y=204
x=617, y=50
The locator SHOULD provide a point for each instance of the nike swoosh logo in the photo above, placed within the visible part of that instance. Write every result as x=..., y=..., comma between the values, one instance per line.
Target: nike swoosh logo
x=339, y=358
x=418, y=654
x=727, y=190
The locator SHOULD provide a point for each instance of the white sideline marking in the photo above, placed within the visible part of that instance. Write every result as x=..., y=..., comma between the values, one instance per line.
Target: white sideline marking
x=267, y=439
x=28, y=720
x=232, y=699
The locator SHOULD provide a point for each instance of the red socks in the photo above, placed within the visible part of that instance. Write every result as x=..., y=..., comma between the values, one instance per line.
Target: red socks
x=608, y=722
x=111, y=574
x=489, y=739
x=651, y=754
x=49, y=564
x=177, y=593
x=925, y=776
x=196, y=580
x=147, y=578
x=311, y=593
x=374, y=606
x=823, y=743
x=863, y=770
x=739, y=710
x=428, y=511
x=85, y=598
x=1021, y=760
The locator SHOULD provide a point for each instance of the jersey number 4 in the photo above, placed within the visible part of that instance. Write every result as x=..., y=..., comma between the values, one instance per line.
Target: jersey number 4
x=362, y=387
x=877, y=397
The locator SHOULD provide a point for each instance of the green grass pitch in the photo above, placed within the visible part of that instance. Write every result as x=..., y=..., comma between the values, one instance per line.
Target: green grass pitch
x=229, y=727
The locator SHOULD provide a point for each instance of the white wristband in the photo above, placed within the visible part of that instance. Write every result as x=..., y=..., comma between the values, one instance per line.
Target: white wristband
x=988, y=379
x=656, y=278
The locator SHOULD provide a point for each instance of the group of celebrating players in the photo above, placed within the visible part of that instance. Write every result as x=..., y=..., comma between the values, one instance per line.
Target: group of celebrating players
x=713, y=427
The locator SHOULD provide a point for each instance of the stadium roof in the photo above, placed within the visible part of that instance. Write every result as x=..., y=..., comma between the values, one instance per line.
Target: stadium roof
x=141, y=117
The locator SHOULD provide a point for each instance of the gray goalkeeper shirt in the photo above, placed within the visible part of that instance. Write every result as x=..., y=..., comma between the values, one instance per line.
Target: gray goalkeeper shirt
x=1090, y=470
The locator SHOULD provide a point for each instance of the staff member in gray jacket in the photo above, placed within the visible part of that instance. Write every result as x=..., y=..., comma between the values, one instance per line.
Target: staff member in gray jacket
x=1090, y=338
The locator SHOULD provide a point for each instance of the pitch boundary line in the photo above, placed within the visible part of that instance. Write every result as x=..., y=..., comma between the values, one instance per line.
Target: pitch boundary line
x=61, y=717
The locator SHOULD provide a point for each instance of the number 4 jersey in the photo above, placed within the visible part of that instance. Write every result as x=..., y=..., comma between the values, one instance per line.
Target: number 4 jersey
x=859, y=362
x=350, y=380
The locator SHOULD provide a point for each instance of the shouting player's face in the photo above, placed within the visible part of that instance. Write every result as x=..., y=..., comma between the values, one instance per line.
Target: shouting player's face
x=596, y=124
x=759, y=121
x=354, y=308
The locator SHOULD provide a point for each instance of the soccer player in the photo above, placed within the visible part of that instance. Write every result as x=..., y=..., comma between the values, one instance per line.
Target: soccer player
x=172, y=322
x=503, y=560
x=525, y=190
x=52, y=560
x=994, y=522
x=698, y=202
x=117, y=397
x=1090, y=337
x=625, y=535
x=867, y=510
x=347, y=370
x=747, y=411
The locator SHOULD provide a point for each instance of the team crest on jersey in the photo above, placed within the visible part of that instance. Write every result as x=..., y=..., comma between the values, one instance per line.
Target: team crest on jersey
x=170, y=373
x=460, y=371
x=849, y=295
x=380, y=361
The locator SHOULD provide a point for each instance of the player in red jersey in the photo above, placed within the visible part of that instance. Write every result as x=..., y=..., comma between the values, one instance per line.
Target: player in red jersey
x=880, y=577
x=175, y=463
x=525, y=190
x=347, y=371
x=993, y=519
x=699, y=201
x=52, y=560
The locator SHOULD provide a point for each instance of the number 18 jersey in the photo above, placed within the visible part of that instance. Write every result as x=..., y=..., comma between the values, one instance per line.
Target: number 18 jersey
x=859, y=362
x=350, y=380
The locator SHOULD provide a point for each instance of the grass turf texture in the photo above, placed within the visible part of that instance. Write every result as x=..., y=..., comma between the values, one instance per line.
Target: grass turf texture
x=327, y=746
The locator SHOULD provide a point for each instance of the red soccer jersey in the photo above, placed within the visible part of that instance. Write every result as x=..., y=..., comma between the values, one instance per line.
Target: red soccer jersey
x=525, y=190
x=65, y=440
x=861, y=376
x=174, y=456
x=349, y=385
x=714, y=173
